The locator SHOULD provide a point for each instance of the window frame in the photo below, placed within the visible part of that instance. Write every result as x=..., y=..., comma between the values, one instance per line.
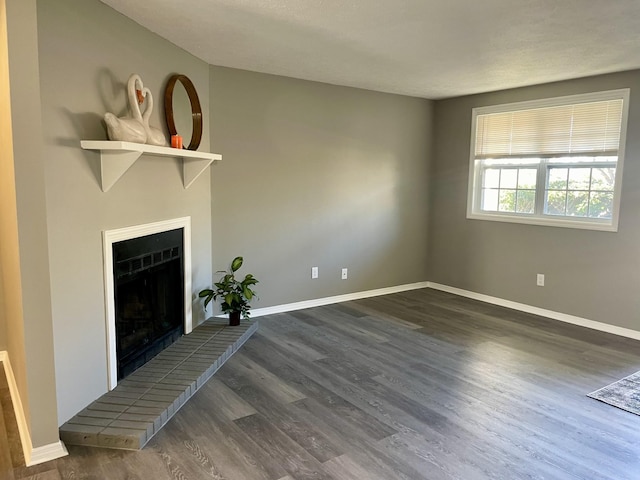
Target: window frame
x=476, y=167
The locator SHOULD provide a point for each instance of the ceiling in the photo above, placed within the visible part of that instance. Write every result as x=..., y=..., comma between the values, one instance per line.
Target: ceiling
x=424, y=48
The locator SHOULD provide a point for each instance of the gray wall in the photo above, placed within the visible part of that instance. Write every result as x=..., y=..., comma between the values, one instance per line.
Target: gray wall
x=36, y=366
x=594, y=275
x=87, y=52
x=318, y=175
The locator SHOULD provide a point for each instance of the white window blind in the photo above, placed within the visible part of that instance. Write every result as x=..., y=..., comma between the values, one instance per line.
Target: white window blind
x=553, y=161
x=587, y=129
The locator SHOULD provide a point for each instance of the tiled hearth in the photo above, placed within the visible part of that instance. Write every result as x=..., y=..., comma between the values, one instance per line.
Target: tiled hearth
x=129, y=415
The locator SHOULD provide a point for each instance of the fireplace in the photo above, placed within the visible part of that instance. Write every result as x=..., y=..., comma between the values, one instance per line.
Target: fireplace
x=149, y=303
x=147, y=292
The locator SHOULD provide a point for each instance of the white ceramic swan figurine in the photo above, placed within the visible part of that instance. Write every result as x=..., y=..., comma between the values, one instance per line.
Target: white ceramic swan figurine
x=129, y=128
x=155, y=136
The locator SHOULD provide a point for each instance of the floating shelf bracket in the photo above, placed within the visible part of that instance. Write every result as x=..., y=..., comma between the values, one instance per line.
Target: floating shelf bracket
x=192, y=168
x=117, y=157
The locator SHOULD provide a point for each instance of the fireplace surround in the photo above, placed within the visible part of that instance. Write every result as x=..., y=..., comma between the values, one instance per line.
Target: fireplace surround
x=136, y=268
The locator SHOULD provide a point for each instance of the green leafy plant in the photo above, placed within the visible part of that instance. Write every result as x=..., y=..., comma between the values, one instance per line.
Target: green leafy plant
x=235, y=294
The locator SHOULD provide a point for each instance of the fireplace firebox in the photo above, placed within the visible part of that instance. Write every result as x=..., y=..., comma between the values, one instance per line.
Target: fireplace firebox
x=148, y=276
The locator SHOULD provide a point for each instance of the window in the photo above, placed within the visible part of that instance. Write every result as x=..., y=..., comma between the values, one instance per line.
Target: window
x=550, y=162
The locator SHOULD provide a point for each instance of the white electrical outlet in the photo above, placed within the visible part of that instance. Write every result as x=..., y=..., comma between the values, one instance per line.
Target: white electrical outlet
x=314, y=272
x=344, y=273
x=540, y=280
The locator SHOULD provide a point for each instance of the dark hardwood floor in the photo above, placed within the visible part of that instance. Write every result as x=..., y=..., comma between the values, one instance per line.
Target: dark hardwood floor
x=416, y=385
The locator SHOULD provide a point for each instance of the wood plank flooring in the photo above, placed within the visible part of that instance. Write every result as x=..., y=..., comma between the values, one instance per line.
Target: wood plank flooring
x=10, y=448
x=415, y=385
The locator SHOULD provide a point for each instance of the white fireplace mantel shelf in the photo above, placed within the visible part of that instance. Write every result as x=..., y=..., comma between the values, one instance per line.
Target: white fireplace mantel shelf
x=117, y=157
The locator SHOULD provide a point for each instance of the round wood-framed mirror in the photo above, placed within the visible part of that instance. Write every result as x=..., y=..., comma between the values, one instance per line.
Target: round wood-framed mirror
x=171, y=114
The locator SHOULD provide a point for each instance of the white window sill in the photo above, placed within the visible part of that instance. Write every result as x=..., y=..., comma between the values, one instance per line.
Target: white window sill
x=562, y=222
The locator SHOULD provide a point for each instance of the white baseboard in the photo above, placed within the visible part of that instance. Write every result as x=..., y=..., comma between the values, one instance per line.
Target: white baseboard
x=563, y=317
x=32, y=456
x=290, y=307
x=47, y=453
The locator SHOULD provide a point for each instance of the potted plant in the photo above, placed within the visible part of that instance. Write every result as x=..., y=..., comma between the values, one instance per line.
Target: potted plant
x=235, y=294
